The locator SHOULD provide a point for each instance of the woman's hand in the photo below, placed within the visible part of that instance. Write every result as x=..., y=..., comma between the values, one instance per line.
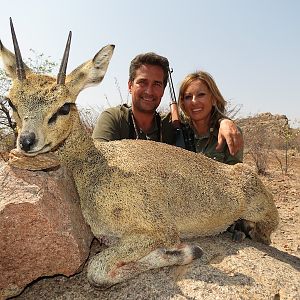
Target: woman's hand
x=230, y=133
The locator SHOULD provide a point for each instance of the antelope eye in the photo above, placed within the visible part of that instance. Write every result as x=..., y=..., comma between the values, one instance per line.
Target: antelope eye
x=65, y=109
x=53, y=118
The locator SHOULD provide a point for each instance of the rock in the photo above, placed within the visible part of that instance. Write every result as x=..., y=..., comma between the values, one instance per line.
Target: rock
x=42, y=230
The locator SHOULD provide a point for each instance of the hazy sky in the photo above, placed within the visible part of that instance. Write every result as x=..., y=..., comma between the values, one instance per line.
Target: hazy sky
x=251, y=48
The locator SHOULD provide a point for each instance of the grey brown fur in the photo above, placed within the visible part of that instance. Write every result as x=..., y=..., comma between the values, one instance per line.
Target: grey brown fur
x=141, y=196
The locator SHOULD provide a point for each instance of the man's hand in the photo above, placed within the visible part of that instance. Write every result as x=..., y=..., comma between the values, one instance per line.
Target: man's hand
x=228, y=131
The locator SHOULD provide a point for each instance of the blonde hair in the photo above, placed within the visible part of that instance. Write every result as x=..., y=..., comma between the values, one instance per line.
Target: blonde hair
x=219, y=102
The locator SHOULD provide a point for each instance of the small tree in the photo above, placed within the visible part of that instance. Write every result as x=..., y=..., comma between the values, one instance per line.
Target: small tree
x=8, y=130
x=288, y=137
x=89, y=117
x=233, y=110
x=258, y=148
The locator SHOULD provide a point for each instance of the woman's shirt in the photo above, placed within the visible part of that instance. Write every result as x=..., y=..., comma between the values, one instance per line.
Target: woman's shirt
x=206, y=144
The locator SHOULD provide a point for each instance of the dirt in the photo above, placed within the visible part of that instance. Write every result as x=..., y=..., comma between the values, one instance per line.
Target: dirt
x=227, y=270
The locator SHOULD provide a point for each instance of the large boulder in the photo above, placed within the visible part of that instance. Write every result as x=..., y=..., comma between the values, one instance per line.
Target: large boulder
x=42, y=230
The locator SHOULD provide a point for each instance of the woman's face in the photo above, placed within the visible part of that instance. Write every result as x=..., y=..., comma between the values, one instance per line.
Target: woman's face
x=197, y=101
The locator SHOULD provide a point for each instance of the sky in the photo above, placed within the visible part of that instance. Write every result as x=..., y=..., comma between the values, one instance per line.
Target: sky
x=251, y=48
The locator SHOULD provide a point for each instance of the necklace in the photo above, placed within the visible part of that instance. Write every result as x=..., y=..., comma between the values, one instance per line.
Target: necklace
x=139, y=132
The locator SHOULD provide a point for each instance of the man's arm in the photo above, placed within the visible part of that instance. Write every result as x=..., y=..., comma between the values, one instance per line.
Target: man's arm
x=107, y=127
x=230, y=133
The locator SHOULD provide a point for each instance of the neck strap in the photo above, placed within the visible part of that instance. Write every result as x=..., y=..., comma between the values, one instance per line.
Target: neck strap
x=134, y=131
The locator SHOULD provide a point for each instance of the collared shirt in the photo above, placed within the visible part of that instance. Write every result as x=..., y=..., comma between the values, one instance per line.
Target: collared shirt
x=115, y=123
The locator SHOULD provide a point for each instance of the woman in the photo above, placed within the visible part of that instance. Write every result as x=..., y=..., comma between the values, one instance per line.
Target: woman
x=203, y=107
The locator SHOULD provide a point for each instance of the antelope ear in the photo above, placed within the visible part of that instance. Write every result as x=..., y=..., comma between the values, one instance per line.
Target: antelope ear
x=9, y=62
x=91, y=72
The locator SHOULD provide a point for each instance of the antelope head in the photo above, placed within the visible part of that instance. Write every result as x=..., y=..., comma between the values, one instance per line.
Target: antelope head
x=44, y=106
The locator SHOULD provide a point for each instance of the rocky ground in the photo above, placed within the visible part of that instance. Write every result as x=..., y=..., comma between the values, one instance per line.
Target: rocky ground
x=228, y=270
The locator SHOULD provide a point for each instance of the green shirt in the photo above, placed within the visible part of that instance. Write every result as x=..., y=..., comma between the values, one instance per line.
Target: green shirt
x=207, y=145
x=115, y=123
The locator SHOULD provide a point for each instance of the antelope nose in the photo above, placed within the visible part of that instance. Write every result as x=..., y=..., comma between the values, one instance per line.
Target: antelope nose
x=27, y=139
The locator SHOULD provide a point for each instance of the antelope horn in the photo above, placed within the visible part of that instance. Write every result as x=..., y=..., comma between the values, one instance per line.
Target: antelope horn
x=61, y=77
x=19, y=62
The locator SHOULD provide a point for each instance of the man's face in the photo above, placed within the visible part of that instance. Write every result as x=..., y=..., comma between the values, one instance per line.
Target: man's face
x=147, y=88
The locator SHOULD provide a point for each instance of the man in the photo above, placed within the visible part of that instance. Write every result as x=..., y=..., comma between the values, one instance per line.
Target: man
x=148, y=77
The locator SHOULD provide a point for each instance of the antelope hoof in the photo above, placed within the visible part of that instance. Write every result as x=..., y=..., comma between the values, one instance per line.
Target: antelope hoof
x=238, y=236
x=197, y=252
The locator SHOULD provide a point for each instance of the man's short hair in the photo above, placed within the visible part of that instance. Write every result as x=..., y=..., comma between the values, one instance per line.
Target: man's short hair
x=149, y=58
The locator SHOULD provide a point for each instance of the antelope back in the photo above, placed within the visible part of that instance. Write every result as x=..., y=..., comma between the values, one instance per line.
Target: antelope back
x=44, y=106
